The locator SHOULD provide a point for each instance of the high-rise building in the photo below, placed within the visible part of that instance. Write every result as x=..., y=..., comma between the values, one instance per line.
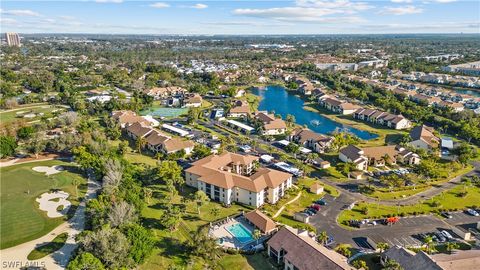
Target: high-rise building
x=13, y=39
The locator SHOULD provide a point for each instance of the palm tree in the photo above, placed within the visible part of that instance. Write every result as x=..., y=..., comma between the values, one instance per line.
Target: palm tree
x=140, y=144
x=387, y=159
x=257, y=234
x=430, y=245
x=322, y=237
x=147, y=193
x=200, y=198
x=360, y=264
x=450, y=246
x=392, y=265
x=382, y=246
x=215, y=211
x=344, y=249
x=75, y=183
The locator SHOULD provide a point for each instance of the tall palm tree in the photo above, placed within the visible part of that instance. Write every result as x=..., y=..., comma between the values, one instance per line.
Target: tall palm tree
x=257, y=234
x=140, y=144
x=429, y=244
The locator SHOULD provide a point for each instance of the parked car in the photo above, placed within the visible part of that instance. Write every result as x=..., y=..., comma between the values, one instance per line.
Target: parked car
x=440, y=237
x=313, y=210
x=447, y=234
x=315, y=206
x=321, y=202
x=472, y=212
x=446, y=215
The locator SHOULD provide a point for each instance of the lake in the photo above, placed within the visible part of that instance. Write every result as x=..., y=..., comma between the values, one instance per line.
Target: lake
x=473, y=93
x=279, y=100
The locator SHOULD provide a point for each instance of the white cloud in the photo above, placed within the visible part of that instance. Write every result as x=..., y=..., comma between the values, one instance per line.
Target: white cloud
x=160, y=5
x=66, y=17
x=8, y=21
x=402, y=1
x=404, y=10
x=20, y=12
x=199, y=6
x=313, y=11
x=109, y=1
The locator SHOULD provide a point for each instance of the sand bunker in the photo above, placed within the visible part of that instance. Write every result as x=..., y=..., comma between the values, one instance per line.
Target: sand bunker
x=49, y=202
x=48, y=170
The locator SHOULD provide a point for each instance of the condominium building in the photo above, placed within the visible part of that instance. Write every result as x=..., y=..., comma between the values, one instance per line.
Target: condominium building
x=230, y=177
x=13, y=39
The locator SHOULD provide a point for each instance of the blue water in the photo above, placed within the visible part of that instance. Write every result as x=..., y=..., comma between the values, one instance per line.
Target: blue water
x=279, y=100
x=240, y=232
x=473, y=93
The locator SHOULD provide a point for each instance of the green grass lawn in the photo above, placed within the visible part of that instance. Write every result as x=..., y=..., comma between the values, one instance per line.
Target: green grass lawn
x=46, y=109
x=449, y=200
x=21, y=220
x=172, y=246
x=42, y=251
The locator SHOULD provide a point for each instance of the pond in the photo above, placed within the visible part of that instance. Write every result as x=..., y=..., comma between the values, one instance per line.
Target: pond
x=164, y=112
x=462, y=91
x=279, y=100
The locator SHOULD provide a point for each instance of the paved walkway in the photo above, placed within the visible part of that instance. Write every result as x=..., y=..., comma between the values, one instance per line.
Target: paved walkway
x=287, y=203
x=16, y=257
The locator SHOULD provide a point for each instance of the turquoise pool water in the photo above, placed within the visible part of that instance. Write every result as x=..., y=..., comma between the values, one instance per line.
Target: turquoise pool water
x=240, y=232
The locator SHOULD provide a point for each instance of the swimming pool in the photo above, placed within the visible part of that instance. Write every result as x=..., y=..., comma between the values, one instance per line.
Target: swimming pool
x=239, y=231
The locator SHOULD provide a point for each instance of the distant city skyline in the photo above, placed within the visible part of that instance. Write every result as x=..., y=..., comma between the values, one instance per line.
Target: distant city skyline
x=241, y=17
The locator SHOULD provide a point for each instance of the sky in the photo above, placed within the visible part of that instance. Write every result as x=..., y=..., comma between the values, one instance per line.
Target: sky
x=241, y=17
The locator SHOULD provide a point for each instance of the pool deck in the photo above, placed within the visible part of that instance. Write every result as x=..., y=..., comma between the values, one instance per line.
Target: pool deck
x=229, y=241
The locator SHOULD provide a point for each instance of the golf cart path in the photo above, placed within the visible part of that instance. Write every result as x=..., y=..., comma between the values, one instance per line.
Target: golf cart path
x=16, y=257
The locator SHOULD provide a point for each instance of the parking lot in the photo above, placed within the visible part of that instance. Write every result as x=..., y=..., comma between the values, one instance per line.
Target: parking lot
x=407, y=231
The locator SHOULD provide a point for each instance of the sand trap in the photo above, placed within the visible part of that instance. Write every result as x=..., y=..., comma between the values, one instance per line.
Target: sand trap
x=47, y=204
x=48, y=170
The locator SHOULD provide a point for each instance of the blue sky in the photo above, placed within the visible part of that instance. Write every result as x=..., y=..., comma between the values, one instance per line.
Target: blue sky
x=241, y=17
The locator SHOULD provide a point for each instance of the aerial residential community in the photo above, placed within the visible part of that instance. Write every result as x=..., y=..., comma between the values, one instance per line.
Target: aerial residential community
x=293, y=135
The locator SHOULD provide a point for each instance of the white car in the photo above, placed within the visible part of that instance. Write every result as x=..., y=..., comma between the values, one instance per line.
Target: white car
x=472, y=212
x=446, y=234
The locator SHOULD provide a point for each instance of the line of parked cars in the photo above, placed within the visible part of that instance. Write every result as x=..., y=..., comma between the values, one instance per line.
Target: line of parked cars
x=315, y=207
x=439, y=237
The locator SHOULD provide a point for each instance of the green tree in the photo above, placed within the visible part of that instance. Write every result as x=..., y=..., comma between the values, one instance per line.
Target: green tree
x=346, y=168
x=169, y=170
x=322, y=237
x=25, y=132
x=290, y=119
x=360, y=264
x=257, y=234
x=392, y=265
x=429, y=244
x=215, y=211
x=382, y=246
x=344, y=249
x=171, y=217
x=203, y=245
x=200, y=198
x=450, y=246
x=85, y=261
x=7, y=146
x=140, y=143
x=201, y=151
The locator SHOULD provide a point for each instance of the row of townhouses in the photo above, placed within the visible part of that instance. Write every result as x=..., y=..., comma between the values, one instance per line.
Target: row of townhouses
x=140, y=127
x=377, y=156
